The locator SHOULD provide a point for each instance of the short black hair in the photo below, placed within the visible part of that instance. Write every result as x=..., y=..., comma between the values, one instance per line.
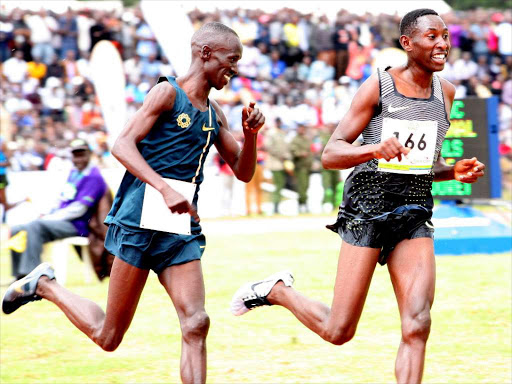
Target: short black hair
x=409, y=21
x=211, y=31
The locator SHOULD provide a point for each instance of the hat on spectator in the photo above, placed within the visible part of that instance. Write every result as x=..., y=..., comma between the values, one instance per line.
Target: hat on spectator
x=79, y=145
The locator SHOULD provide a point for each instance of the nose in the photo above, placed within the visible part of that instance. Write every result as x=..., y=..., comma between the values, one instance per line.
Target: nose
x=444, y=44
x=234, y=69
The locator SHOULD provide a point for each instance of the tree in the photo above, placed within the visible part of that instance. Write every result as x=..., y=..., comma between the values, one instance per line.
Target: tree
x=473, y=4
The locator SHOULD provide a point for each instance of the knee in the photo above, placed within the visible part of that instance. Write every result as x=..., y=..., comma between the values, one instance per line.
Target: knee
x=110, y=341
x=339, y=335
x=417, y=327
x=195, y=326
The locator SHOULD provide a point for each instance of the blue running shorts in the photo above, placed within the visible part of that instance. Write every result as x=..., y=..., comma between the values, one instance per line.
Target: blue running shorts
x=147, y=249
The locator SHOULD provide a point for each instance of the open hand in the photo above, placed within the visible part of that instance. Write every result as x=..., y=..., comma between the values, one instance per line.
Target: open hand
x=252, y=119
x=468, y=170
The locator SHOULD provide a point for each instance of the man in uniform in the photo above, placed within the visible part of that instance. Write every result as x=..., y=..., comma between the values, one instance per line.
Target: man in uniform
x=168, y=138
x=300, y=148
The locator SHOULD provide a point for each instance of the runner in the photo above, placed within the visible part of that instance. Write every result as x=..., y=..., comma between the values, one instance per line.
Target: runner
x=385, y=215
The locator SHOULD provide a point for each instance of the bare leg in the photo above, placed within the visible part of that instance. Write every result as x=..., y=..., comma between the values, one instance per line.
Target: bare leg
x=412, y=269
x=184, y=284
x=125, y=287
x=336, y=324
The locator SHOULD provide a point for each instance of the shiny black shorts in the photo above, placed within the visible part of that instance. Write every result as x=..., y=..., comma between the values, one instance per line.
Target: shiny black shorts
x=386, y=230
x=147, y=249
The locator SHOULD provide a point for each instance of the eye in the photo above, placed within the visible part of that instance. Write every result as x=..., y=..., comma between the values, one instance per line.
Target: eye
x=432, y=37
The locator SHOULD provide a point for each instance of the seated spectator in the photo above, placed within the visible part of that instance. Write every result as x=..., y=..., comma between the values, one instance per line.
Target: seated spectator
x=82, y=192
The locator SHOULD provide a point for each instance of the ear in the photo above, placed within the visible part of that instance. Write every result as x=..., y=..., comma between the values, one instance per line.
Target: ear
x=206, y=52
x=405, y=42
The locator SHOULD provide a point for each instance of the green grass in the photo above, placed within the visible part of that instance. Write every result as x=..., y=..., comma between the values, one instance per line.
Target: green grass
x=470, y=340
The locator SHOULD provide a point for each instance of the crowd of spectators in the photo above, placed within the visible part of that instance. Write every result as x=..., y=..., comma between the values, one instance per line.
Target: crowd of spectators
x=302, y=68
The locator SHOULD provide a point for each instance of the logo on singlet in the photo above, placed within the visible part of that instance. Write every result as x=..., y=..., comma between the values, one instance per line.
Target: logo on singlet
x=183, y=120
x=205, y=128
x=392, y=109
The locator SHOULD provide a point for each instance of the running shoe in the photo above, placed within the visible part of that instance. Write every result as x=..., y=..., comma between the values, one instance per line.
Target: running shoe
x=252, y=295
x=23, y=291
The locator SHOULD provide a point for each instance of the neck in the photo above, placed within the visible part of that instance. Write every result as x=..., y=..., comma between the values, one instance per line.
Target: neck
x=417, y=75
x=195, y=85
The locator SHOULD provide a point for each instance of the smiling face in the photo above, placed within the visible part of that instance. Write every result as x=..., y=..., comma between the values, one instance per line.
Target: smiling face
x=428, y=45
x=221, y=60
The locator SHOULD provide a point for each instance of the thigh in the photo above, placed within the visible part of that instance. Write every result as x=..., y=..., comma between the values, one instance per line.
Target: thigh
x=185, y=285
x=55, y=229
x=354, y=274
x=124, y=290
x=412, y=269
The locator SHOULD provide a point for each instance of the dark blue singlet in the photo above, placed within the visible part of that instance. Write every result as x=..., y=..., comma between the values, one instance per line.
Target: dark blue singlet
x=176, y=148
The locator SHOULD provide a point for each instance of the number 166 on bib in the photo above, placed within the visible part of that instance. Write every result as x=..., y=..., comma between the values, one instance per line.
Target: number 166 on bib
x=419, y=136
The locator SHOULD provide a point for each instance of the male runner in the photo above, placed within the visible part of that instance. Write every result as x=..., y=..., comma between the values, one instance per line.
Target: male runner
x=169, y=137
x=385, y=216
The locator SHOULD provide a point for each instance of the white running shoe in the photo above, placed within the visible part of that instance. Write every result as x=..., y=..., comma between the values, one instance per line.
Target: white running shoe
x=252, y=295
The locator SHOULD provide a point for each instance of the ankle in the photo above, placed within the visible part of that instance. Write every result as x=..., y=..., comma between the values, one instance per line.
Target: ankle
x=275, y=292
x=43, y=285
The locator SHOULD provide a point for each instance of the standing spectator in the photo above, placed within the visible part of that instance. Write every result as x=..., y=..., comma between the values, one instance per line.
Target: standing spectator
x=278, y=160
x=6, y=36
x=341, y=41
x=300, y=149
x=330, y=177
x=84, y=23
x=41, y=28
x=322, y=41
x=253, y=191
x=68, y=30
x=504, y=33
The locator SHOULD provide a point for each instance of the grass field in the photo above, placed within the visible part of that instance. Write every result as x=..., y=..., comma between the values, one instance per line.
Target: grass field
x=470, y=340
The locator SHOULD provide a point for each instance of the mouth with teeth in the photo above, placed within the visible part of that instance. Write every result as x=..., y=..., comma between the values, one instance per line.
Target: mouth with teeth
x=440, y=58
x=227, y=78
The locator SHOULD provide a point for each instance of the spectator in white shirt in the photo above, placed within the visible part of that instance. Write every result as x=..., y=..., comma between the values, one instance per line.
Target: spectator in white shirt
x=15, y=68
x=464, y=67
x=41, y=28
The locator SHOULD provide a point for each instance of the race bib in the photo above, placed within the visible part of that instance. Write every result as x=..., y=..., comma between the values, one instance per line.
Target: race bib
x=419, y=136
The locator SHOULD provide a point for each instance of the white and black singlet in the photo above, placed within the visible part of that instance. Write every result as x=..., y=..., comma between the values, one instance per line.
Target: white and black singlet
x=386, y=202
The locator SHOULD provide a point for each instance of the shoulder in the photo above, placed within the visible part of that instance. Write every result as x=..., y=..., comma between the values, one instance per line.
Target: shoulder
x=448, y=88
x=369, y=91
x=161, y=97
x=216, y=107
x=221, y=118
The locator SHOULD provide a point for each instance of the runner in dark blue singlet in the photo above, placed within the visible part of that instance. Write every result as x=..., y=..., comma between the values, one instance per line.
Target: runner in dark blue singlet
x=402, y=114
x=168, y=138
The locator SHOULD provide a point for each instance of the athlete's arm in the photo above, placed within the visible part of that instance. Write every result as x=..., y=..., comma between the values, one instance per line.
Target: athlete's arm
x=339, y=153
x=242, y=161
x=466, y=170
x=158, y=100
